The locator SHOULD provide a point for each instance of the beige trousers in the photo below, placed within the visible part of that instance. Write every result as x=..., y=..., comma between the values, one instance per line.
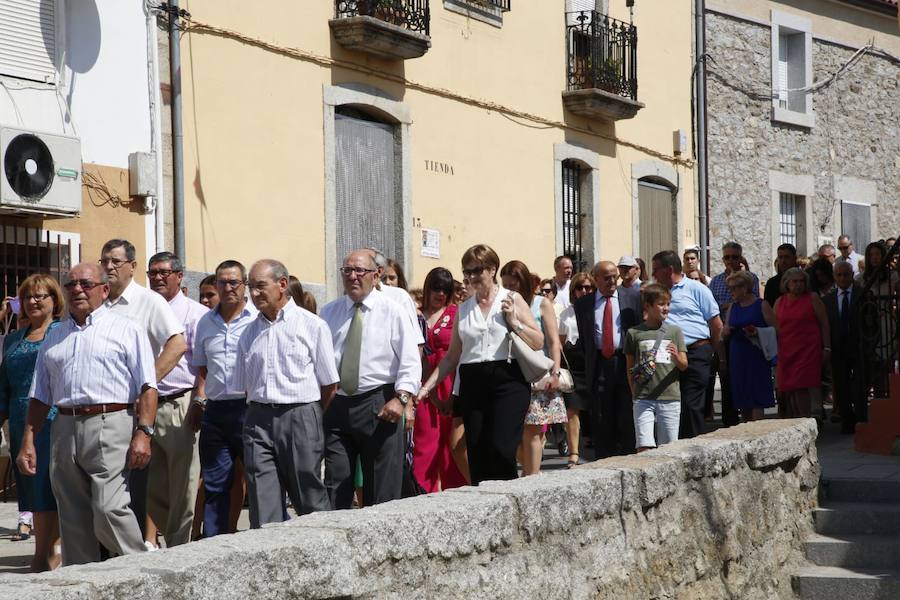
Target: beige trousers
x=174, y=472
x=90, y=481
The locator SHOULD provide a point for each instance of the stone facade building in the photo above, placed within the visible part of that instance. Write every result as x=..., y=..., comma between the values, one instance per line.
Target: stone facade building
x=795, y=156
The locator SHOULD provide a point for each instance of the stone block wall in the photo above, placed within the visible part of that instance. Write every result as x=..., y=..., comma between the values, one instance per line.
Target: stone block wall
x=856, y=134
x=721, y=516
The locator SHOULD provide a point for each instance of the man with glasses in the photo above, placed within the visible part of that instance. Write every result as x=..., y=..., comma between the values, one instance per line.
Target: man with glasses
x=215, y=411
x=827, y=252
x=97, y=370
x=375, y=349
x=151, y=312
x=695, y=311
x=732, y=252
x=175, y=468
x=848, y=254
x=285, y=366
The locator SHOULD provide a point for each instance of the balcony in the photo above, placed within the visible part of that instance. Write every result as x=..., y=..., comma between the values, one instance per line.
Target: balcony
x=392, y=29
x=601, y=78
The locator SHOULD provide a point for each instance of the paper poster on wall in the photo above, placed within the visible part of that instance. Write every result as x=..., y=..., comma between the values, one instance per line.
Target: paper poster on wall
x=431, y=243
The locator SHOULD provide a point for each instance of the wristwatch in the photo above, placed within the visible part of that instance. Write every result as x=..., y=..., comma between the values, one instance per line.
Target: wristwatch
x=150, y=430
x=200, y=401
x=404, y=397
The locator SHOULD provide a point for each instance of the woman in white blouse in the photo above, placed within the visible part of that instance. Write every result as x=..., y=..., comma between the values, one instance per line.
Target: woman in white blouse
x=493, y=394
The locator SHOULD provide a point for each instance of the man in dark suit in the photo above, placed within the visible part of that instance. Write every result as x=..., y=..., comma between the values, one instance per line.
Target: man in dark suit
x=603, y=318
x=842, y=307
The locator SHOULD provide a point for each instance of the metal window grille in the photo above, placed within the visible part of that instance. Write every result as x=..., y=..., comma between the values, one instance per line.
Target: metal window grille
x=414, y=15
x=601, y=53
x=28, y=250
x=572, y=217
x=788, y=218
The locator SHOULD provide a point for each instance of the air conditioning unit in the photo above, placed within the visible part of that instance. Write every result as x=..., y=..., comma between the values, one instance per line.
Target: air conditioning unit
x=41, y=172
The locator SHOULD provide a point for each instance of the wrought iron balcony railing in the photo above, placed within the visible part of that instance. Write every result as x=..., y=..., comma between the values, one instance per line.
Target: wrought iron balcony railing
x=601, y=54
x=503, y=5
x=413, y=15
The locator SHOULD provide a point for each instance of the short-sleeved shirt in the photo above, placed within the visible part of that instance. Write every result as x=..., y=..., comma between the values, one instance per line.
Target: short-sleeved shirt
x=692, y=306
x=639, y=343
x=215, y=347
x=718, y=285
x=184, y=374
x=149, y=310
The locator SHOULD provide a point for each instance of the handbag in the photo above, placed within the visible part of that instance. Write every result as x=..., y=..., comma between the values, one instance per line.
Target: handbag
x=644, y=370
x=534, y=364
x=566, y=381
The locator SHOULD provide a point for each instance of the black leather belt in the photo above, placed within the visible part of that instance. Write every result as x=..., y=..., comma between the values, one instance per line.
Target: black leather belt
x=173, y=397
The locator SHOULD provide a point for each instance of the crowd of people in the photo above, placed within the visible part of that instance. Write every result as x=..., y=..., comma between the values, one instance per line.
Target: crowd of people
x=135, y=412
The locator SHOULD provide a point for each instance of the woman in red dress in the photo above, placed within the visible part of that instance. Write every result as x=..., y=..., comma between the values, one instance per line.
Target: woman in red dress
x=803, y=335
x=433, y=464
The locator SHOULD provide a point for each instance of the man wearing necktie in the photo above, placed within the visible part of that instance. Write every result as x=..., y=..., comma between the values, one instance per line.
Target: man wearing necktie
x=603, y=318
x=377, y=356
x=842, y=307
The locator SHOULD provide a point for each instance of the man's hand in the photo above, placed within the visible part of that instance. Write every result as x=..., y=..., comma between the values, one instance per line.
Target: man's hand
x=139, y=450
x=391, y=411
x=27, y=459
x=194, y=416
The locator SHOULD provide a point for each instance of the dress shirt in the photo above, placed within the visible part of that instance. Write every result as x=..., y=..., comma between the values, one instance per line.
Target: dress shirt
x=184, y=374
x=483, y=339
x=108, y=360
x=215, y=347
x=568, y=325
x=149, y=310
x=840, y=299
x=853, y=259
x=389, y=352
x=719, y=288
x=562, y=293
x=285, y=361
x=599, y=307
x=405, y=301
x=692, y=306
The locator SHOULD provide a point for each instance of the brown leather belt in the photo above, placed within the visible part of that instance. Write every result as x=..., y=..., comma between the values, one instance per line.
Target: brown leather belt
x=87, y=410
x=698, y=343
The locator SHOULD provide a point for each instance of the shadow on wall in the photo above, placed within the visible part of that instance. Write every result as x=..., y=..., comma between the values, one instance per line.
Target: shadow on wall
x=83, y=38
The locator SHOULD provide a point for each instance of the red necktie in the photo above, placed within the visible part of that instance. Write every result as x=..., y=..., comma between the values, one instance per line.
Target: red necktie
x=608, y=348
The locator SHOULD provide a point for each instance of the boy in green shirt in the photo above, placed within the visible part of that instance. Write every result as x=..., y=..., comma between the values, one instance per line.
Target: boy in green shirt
x=655, y=354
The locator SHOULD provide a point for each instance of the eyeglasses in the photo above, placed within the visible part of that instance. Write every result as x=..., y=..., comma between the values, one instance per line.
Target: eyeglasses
x=358, y=271
x=584, y=288
x=473, y=272
x=84, y=284
x=843, y=247
x=546, y=291
x=230, y=283
x=731, y=257
x=161, y=273
x=116, y=262
x=37, y=297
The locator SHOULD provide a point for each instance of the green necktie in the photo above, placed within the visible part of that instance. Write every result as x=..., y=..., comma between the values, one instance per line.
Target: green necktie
x=352, y=347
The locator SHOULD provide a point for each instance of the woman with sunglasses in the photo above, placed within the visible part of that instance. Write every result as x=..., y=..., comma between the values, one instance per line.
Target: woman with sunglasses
x=576, y=401
x=42, y=306
x=493, y=393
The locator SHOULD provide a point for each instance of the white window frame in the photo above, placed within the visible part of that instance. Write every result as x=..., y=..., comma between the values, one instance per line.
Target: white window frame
x=784, y=24
x=50, y=78
x=798, y=185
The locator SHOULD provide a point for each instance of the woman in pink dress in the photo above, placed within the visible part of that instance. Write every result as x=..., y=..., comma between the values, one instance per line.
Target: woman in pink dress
x=433, y=464
x=803, y=335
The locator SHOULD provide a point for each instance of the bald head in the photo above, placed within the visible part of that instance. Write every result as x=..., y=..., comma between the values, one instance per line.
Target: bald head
x=606, y=276
x=86, y=287
x=87, y=269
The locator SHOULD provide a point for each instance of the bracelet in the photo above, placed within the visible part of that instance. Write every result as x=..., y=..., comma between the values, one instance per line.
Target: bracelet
x=826, y=349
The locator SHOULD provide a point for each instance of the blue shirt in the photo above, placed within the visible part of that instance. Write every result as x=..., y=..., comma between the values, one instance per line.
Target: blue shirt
x=693, y=305
x=719, y=288
x=215, y=347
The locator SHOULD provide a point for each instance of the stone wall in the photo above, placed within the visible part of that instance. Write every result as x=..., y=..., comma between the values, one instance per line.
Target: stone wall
x=721, y=516
x=856, y=134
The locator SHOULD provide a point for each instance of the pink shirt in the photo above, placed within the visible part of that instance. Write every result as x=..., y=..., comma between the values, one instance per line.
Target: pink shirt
x=182, y=377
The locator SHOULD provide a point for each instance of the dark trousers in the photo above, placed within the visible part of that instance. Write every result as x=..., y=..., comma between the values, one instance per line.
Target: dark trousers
x=353, y=430
x=221, y=445
x=494, y=398
x=849, y=392
x=693, y=382
x=720, y=367
x=612, y=413
x=137, y=487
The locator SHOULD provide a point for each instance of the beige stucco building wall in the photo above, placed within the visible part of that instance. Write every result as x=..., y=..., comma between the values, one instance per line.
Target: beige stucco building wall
x=256, y=145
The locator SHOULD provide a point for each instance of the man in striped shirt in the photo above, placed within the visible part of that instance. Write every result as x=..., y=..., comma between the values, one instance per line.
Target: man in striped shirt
x=285, y=366
x=94, y=367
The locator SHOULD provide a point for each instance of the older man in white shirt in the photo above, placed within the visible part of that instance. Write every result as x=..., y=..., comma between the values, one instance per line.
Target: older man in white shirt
x=375, y=347
x=285, y=366
x=94, y=368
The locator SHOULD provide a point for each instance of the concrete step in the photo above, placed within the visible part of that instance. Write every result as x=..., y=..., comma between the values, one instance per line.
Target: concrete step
x=836, y=583
x=860, y=490
x=854, y=551
x=857, y=518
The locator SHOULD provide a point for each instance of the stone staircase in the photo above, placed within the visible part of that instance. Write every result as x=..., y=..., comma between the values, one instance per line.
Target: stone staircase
x=855, y=552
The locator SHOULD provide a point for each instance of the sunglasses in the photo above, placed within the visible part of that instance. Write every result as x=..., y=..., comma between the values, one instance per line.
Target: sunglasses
x=584, y=288
x=546, y=291
x=731, y=257
x=84, y=284
x=474, y=272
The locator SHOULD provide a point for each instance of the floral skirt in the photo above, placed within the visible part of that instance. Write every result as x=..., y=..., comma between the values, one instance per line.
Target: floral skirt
x=546, y=409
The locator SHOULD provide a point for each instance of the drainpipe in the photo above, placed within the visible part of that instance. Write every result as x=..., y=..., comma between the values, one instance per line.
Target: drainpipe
x=159, y=234
x=177, y=132
x=700, y=82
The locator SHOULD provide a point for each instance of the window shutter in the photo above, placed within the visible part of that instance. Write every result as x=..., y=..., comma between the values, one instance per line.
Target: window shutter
x=781, y=85
x=28, y=39
x=578, y=6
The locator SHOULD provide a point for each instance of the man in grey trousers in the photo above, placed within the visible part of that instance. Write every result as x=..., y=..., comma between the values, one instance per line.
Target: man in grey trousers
x=94, y=367
x=285, y=365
